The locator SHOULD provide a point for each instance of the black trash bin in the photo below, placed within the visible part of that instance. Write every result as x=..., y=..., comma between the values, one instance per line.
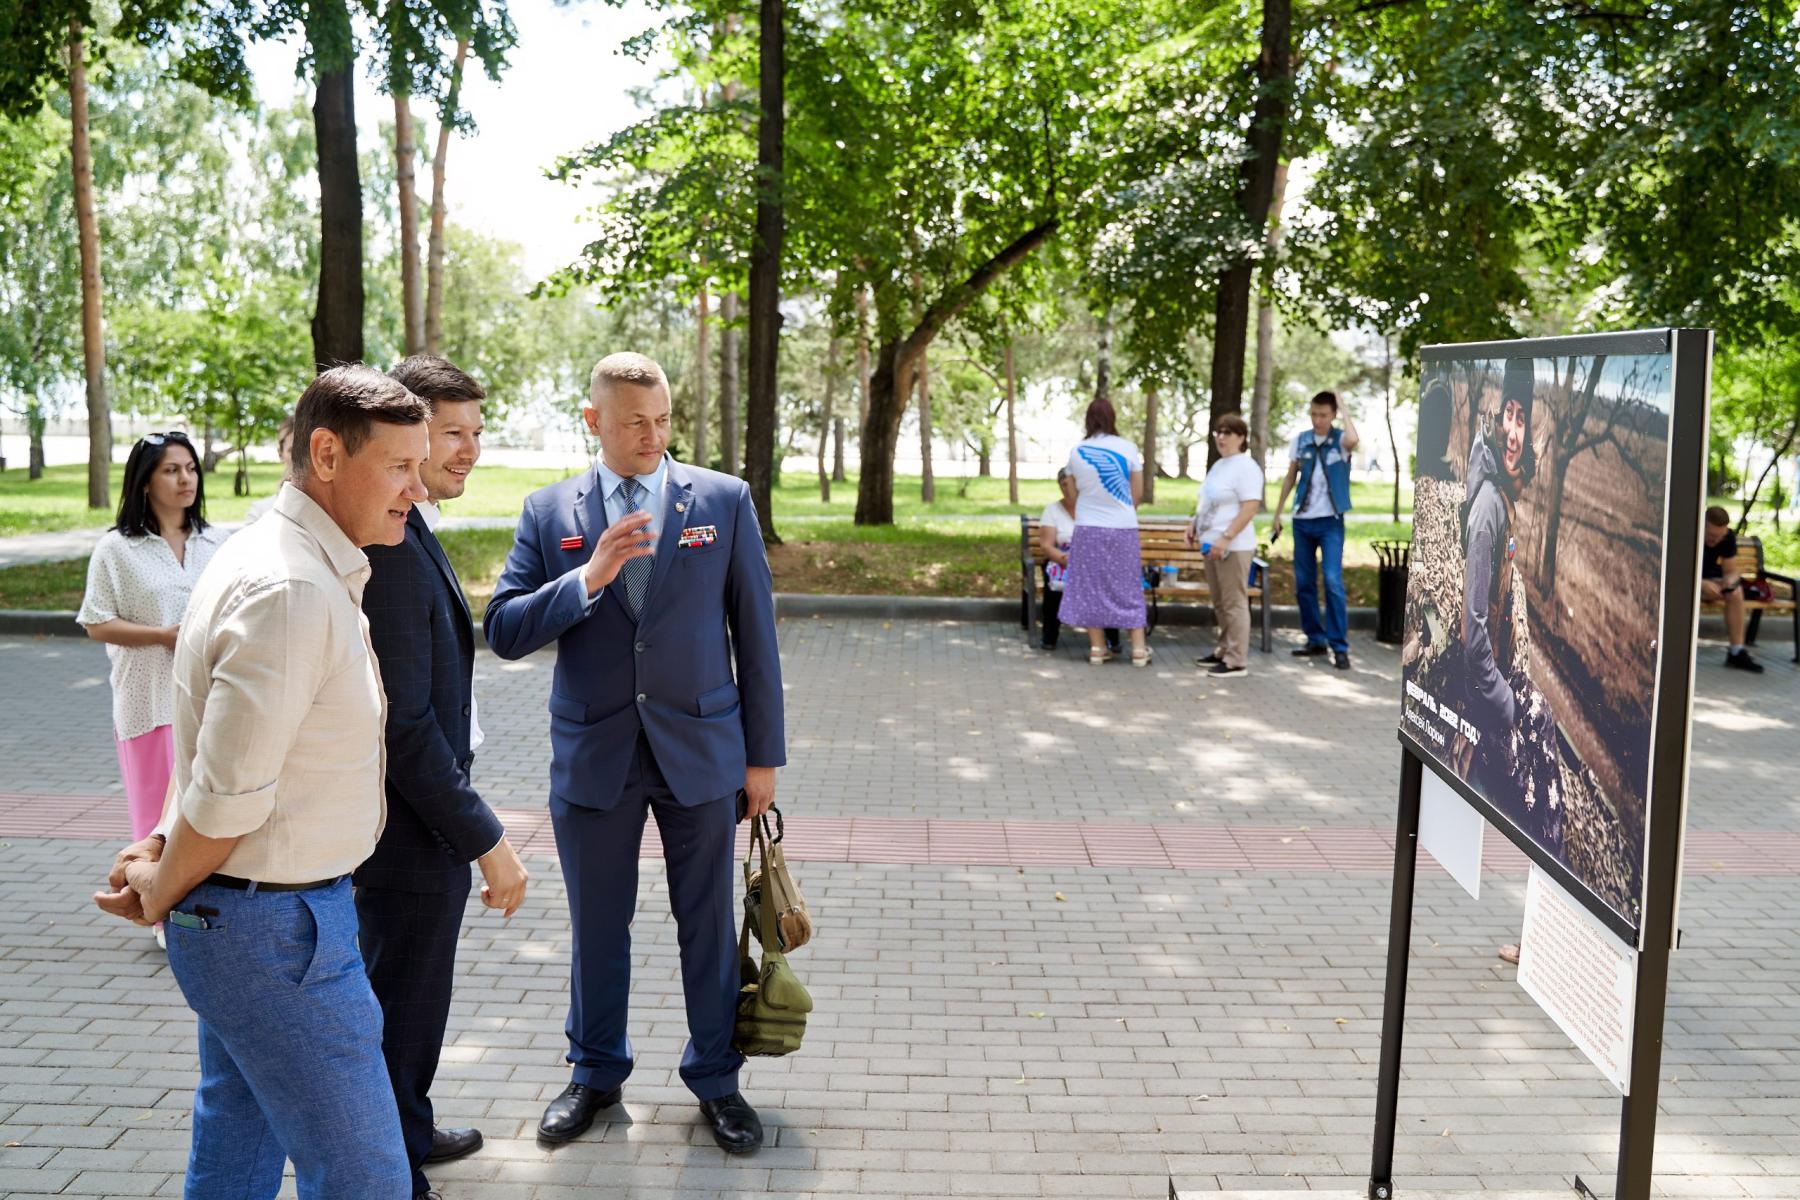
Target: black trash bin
x=1390, y=616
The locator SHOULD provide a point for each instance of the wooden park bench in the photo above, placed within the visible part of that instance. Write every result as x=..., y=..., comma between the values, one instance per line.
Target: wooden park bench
x=1160, y=544
x=1750, y=567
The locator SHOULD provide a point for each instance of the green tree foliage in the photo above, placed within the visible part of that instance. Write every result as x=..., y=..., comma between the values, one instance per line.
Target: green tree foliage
x=40, y=283
x=1648, y=148
x=931, y=150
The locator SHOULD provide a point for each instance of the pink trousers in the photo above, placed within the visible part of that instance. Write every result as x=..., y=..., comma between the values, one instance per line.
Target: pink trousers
x=145, y=763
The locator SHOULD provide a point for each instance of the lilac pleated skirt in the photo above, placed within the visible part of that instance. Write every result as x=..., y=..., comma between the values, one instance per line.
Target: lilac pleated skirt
x=1106, y=580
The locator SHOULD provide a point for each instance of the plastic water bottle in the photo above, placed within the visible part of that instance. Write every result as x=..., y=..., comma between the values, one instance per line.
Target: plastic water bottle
x=1206, y=547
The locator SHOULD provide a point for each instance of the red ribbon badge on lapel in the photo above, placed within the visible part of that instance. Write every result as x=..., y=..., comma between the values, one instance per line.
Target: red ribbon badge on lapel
x=572, y=543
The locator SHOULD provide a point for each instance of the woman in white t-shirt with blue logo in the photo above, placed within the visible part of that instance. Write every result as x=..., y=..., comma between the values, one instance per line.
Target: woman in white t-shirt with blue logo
x=1224, y=527
x=1105, y=588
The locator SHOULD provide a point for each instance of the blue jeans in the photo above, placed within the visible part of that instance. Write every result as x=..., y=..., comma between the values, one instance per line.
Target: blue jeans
x=1316, y=540
x=290, y=1049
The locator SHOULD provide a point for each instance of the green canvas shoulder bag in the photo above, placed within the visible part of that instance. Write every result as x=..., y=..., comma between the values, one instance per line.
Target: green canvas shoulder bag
x=772, y=1002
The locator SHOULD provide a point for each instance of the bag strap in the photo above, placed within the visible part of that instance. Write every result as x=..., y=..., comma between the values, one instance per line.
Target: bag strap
x=765, y=912
x=748, y=971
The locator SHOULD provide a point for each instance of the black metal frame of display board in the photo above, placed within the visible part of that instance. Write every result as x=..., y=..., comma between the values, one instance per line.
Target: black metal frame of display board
x=1656, y=934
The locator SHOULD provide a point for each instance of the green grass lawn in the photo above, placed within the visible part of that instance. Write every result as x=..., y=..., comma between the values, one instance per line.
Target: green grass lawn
x=58, y=501
x=40, y=586
x=932, y=549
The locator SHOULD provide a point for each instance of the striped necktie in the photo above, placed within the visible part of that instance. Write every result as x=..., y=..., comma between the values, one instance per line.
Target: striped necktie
x=635, y=571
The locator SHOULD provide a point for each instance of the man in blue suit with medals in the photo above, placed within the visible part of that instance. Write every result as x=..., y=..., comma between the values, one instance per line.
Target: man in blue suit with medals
x=650, y=577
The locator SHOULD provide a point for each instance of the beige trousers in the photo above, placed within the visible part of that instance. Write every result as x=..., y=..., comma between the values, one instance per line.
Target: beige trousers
x=1229, y=584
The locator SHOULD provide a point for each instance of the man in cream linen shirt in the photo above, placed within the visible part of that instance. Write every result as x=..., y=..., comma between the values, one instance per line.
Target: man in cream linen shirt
x=278, y=783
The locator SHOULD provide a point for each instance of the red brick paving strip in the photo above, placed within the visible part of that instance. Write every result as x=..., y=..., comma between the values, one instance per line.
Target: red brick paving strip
x=1009, y=843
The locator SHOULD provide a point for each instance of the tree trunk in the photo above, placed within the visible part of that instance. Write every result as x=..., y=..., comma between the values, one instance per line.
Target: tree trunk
x=927, y=484
x=1012, y=430
x=337, y=323
x=1781, y=452
x=406, y=156
x=1149, y=445
x=1564, y=446
x=93, y=332
x=765, y=268
x=880, y=437
x=1181, y=460
x=1103, y=358
x=984, y=459
x=892, y=381
x=862, y=356
x=831, y=358
x=1264, y=384
x=34, y=434
x=837, y=450
x=730, y=462
x=1256, y=193
x=434, y=254
x=1387, y=377
x=701, y=371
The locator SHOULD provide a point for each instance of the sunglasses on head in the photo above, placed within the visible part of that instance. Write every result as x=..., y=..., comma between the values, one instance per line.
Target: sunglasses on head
x=174, y=435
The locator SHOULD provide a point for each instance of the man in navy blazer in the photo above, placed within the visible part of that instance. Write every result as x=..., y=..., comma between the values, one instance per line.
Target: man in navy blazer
x=651, y=579
x=411, y=893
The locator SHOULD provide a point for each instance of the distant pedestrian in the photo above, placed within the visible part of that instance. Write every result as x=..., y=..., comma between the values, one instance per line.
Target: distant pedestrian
x=284, y=437
x=139, y=579
x=1056, y=532
x=1320, y=462
x=1224, y=527
x=1106, y=575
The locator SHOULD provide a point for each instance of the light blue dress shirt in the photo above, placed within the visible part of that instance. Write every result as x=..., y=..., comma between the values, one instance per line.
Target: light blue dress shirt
x=615, y=504
x=652, y=483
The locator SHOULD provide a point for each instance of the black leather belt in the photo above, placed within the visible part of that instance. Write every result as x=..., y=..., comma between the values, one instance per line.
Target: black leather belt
x=244, y=885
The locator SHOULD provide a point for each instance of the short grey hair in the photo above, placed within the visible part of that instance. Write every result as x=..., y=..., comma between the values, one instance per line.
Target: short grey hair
x=624, y=367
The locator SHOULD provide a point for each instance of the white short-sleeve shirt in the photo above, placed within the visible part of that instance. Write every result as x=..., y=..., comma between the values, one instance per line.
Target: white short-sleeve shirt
x=1317, y=501
x=138, y=579
x=1102, y=467
x=1057, y=517
x=1228, y=484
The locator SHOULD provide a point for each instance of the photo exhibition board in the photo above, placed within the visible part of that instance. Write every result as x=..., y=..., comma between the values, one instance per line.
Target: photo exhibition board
x=1535, y=608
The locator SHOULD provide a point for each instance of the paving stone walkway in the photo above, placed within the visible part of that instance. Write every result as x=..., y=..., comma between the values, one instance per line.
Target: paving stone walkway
x=992, y=1019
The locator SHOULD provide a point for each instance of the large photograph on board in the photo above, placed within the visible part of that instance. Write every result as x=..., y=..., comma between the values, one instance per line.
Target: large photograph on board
x=1534, y=603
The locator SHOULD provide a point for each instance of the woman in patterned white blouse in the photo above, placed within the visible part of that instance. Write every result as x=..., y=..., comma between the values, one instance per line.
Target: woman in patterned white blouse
x=138, y=584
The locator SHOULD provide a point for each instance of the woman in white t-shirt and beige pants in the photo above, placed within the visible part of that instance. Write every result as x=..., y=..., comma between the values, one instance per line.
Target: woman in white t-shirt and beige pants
x=1225, y=525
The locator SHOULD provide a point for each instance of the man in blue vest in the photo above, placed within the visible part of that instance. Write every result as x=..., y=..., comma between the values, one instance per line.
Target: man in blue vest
x=1319, y=461
x=649, y=576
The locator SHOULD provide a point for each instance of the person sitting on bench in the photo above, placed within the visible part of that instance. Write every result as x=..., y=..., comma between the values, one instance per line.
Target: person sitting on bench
x=1720, y=584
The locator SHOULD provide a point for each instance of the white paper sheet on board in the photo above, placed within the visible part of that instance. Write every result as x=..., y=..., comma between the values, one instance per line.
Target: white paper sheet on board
x=1580, y=974
x=1452, y=832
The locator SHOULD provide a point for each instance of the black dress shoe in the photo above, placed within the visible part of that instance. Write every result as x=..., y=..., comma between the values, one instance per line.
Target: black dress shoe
x=570, y=1114
x=1341, y=661
x=1212, y=659
x=447, y=1144
x=1310, y=650
x=735, y=1125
